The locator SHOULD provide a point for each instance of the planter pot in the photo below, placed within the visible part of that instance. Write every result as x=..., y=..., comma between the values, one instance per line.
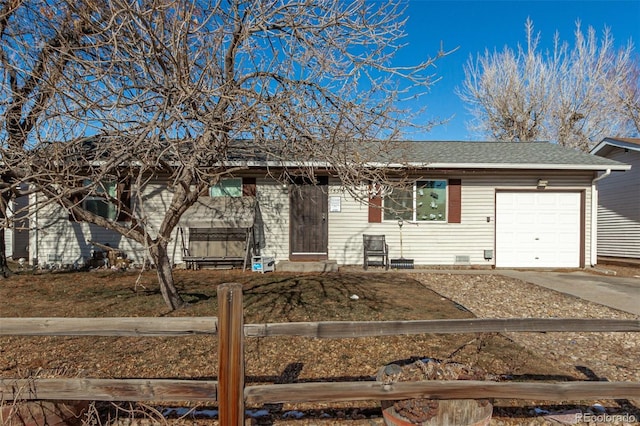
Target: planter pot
x=433, y=412
x=41, y=413
x=452, y=412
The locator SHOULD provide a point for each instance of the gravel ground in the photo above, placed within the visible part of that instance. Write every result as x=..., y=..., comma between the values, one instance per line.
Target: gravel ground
x=597, y=356
x=584, y=356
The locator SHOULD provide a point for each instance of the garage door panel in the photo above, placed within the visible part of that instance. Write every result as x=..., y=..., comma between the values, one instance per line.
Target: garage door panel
x=538, y=229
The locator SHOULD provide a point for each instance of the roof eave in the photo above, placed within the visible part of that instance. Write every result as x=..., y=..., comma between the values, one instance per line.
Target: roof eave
x=487, y=166
x=614, y=143
x=518, y=166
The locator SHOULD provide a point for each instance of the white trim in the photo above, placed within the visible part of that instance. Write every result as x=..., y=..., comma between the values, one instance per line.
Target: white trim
x=594, y=216
x=615, y=143
x=426, y=165
x=521, y=166
x=423, y=165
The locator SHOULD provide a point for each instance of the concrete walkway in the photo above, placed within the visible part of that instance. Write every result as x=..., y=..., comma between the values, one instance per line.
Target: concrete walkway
x=616, y=292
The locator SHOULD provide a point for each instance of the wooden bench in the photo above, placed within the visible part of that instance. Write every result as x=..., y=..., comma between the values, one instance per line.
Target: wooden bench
x=196, y=262
x=218, y=247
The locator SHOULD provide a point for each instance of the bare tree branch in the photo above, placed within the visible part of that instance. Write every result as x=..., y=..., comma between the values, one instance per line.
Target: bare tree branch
x=183, y=90
x=573, y=96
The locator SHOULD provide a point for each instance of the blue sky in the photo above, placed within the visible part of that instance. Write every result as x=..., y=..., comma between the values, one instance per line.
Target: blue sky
x=474, y=26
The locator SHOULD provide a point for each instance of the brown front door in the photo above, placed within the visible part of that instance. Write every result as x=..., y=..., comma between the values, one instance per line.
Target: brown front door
x=308, y=221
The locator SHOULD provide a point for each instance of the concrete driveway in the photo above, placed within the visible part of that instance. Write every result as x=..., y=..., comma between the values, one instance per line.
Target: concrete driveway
x=616, y=292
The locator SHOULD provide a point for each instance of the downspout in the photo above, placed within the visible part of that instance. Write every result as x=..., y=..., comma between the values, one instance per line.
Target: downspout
x=594, y=216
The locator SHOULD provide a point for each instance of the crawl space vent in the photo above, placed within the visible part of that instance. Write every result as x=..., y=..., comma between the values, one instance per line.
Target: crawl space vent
x=462, y=260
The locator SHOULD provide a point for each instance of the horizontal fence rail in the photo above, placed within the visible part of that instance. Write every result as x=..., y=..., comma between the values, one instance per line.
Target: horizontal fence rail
x=200, y=390
x=346, y=329
x=185, y=326
x=231, y=394
x=436, y=389
x=109, y=389
x=117, y=326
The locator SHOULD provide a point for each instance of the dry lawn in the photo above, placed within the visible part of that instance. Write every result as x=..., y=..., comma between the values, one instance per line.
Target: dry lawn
x=273, y=297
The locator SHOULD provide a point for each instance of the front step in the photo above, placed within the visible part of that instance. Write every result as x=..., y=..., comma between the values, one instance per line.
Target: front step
x=315, y=266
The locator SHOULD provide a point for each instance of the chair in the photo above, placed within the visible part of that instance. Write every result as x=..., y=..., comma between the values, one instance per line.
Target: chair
x=375, y=247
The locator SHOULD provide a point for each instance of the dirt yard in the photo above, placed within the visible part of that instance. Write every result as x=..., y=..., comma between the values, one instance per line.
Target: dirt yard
x=274, y=297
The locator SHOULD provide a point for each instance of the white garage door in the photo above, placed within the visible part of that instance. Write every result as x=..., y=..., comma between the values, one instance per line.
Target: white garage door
x=538, y=229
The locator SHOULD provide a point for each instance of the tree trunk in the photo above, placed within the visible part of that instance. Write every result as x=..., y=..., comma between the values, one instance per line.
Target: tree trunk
x=4, y=266
x=168, y=289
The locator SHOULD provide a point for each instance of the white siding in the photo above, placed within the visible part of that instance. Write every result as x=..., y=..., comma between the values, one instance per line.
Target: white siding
x=8, y=242
x=619, y=208
x=273, y=214
x=430, y=243
x=57, y=240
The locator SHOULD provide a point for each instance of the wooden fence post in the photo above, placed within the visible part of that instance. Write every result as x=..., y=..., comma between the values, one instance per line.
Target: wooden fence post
x=230, y=355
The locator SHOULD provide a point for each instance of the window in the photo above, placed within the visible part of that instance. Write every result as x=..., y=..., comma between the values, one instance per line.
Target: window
x=231, y=187
x=426, y=201
x=98, y=202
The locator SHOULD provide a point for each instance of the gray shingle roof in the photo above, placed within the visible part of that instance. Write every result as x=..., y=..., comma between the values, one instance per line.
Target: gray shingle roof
x=519, y=155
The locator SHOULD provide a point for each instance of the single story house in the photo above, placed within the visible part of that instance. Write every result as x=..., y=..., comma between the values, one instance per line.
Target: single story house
x=619, y=200
x=471, y=203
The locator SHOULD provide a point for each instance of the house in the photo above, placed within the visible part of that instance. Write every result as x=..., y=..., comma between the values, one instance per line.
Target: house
x=470, y=203
x=619, y=200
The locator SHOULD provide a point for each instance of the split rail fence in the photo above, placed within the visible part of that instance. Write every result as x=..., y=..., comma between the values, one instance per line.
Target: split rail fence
x=229, y=390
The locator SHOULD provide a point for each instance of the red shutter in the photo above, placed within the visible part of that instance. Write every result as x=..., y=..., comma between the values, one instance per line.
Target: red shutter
x=455, y=200
x=375, y=208
x=249, y=187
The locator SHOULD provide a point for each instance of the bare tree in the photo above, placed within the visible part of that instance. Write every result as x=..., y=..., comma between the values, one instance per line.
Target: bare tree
x=30, y=77
x=124, y=92
x=628, y=95
x=566, y=95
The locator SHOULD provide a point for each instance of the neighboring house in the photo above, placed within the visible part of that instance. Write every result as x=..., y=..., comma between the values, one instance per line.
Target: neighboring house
x=619, y=200
x=472, y=203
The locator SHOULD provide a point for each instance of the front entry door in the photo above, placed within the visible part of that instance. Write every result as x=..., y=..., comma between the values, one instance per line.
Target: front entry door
x=308, y=221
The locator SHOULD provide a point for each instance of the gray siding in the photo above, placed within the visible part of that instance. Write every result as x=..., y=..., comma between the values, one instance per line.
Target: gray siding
x=619, y=208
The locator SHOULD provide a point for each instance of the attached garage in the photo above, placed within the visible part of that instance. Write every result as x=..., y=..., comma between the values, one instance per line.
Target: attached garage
x=489, y=204
x=538, y=229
